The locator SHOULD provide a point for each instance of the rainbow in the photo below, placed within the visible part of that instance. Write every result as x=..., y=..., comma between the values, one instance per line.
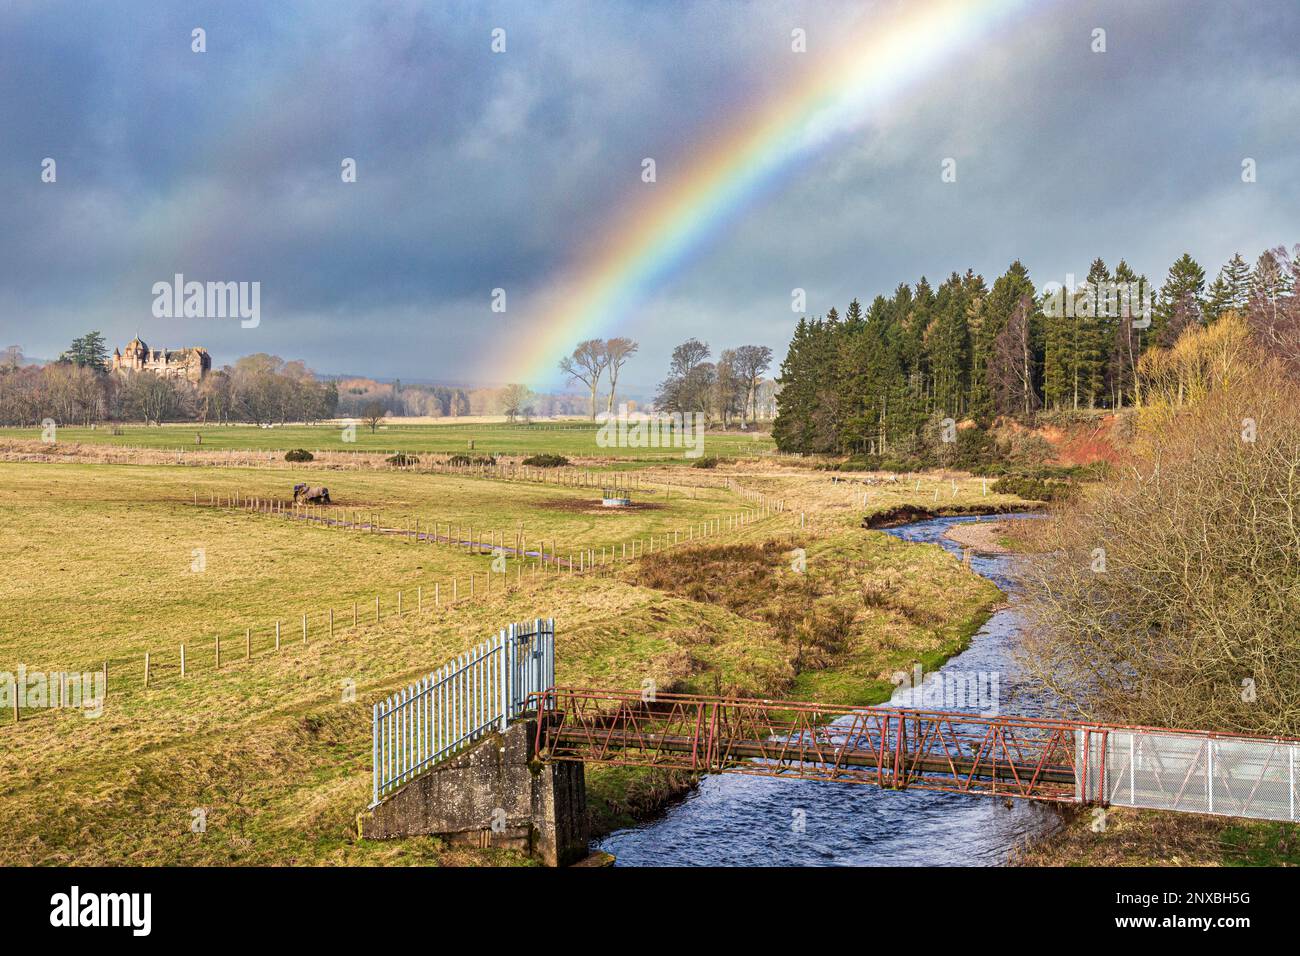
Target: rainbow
x=651, y=238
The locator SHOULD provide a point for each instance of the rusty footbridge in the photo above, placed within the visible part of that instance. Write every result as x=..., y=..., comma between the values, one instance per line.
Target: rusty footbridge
x=512, y=678
x=1031, y=758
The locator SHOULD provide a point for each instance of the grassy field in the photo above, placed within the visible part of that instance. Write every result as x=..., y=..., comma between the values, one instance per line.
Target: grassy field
x=97, y=564
x=107, y=551
x=572, y=439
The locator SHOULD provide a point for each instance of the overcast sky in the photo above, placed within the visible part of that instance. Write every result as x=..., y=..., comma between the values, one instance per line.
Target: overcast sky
x=478, y=170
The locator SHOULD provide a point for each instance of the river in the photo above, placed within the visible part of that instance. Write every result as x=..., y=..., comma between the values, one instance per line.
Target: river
x=736, y=820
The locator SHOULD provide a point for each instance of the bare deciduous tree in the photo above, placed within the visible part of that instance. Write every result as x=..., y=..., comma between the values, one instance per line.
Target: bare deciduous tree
x=373, y=414
x=1011, y=366
x=586, y=365
x=513, y=399
x=617, y=352
x=1274, y=307
x=750, y=363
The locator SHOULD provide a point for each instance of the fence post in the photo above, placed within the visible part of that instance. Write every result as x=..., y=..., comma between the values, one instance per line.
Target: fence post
x=331, y=622
x=248, y=643
x=374, y=753
x=277, y=635
x=146, y=669
x=304, y=630
x=182, y=660
x=507, y=658
x=217, y=645
x=550, y=653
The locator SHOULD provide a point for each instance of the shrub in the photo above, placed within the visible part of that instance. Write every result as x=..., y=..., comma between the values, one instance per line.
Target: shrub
x=709, y=462
x=464, y=460
x=546, y=461
x=1165, y=593
x=1030, y=448
x=974, y=447
x=1034, y=489
x=298, y=454
x=403, y=460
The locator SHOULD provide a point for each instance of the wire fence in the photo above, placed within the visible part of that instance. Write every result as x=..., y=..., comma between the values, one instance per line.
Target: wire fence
x=518, y=564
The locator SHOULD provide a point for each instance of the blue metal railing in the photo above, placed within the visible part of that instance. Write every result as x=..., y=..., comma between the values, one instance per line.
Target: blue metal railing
x=480, y=691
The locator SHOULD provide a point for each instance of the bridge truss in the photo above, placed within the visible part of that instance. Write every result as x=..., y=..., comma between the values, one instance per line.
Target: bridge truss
x=961, y=753
x=1031, y=758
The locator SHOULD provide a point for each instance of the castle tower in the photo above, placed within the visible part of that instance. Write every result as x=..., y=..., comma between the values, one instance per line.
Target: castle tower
x=136, y=355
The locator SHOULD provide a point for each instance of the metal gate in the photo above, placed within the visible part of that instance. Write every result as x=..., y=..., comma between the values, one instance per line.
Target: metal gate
x=477, y=693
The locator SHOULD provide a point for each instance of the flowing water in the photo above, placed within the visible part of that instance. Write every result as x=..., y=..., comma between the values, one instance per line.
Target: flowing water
x=735, y=820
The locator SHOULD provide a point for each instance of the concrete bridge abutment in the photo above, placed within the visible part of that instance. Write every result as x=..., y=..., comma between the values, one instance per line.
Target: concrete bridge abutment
x=496, y=794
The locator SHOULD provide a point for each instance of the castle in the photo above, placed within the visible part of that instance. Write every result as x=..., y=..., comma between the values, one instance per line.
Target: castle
x=189, y=364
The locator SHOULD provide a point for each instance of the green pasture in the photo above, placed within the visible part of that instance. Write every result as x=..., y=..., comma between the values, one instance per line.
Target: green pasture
x=571, y=439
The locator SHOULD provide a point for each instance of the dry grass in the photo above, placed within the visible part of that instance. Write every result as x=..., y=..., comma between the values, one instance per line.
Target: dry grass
x=850, y=608
x=97, y=558
x=1150, y=838
x=96, y=563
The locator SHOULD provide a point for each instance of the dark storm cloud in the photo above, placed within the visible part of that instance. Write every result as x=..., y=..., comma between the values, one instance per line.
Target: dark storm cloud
x=478, y=171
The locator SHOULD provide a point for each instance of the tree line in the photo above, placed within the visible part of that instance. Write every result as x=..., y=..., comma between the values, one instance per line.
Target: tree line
x=359, y=397
x=723, y=390
x=870, y=382
x=78, y=388
x=728, y=389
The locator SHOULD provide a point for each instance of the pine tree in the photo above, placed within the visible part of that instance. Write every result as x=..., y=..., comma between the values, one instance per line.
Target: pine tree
x=1096, y=329
x=998, y=308
x=1058, y=371
x=1230, y=289
x=1183, y=291
x=870, y=379
x=947, y=344
x=1126, y=338
x=87, y=351
x=792, y=427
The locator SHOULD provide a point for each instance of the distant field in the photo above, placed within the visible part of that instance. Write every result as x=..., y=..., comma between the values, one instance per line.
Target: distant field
x=572, y=439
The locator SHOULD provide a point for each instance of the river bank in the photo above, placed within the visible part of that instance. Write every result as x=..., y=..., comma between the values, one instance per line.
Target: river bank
x=984, y=537
x=748, y=821
x=741, y=820
x=860, y=609
x=1127, y=837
